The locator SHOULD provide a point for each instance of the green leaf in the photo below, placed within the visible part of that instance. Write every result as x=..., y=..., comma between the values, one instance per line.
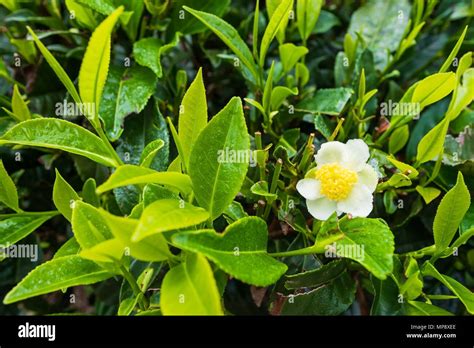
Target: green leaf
x=57, y=68
x=330, y=101
x=422, y=308
x=433, y=88
x=57, y=274
x=8, y=193
x=83, y=15
x=307, y=14
x=167, y=215
x=465, y=295
x=260, y=188
x=217, y=179
x=190, y=289
x=64, y=196
x=278, y=18
x=279, y=95
x=386, y=297
x=381, y=33
x=404, y=168
x=464, y=95
x=398, y=139
x=59, y=134
x=192, y=115
x=316, y=277
x=127, y=91
x=150, y=151
x=229, y=35
x=431, y=145
x=88, y=225
x=15, y=227
x=95, y=64
x=70, y=247
x=19, y=107
x=450, y=212
x=369, y=242
x=240, y=251
x=428, y=193
x=108, y=251
x=331, y=299
x=131, y=175
x=291, y=54
x=449, y=60
x=152, y=248
x=148, y=52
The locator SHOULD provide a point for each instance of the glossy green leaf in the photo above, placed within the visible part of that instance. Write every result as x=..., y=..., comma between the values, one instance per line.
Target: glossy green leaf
x=381, y=33
x=216, y=177
x=229, y=35
x=369, y=242
x=150, y=151
x=450, y=212
x=14, y=227
x=95, y=64
x=19, y=107
x=278, y=18
x=190, y=289
x=290, y=55
x=88, y=225
x=464, y=294
x=82, y=14
x=316, y=277
x=127, y=91
x=57, y=68
x=8, y=192
x=108, y=251
x=148, y=52
x=192, y=115
x=260, y=188
x=464, y=95
x=449, y=60
x=279, y=95
x=64, y=196
x=386, y=300
x=57, y=274
x=398, y=139
x=70, y=247
x=431, y=145
x=166, y=215
x=404, y=168
x=433, y=88
x=307, y=14
x=59, y=134
x=422, y=308
x=240, y=251
x=132, y=175
x=329, y=101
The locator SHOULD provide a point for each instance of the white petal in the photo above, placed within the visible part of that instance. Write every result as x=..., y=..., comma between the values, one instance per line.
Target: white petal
x=309, y=188
x=357, y=154
x=331, y=152
x=321, y=208
x=358, y=203
x=368, y=177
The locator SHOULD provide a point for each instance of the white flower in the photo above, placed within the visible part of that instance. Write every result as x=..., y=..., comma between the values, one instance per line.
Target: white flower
x=342, y=181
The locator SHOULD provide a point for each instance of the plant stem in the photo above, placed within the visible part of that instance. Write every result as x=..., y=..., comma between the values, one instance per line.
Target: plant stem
x=273, y=187
x=317, y=248
x=107, y=143
x=142, y=300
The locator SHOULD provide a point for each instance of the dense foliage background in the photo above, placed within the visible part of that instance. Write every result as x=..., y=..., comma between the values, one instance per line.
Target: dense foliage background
x=332, y=71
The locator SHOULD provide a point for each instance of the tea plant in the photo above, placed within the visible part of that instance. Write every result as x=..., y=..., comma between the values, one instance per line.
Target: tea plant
x=319, y=162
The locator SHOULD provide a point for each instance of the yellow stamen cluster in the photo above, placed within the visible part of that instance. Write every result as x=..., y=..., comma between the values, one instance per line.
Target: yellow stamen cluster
x=336, y=181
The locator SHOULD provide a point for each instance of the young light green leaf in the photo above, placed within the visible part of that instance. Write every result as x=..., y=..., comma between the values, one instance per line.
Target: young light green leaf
x=167, y=215
x=465, y=295
x=215, y=180
x=229, y=35
x=192, y=115
x=70, y=247
x=450, y=212
x=57, y=68
x=148, y=51
x=64, y=196
x=8, y=193
x=82, y=14
x=432, y=143
x=57, y=274
x=131, y=175
x=88, y=225
x=95, y=64
x=108, y=251
x=406, y=169
x=278, y=18
x=19, y=107
x=307, y=14
x=398, y=139
x=422, y=308
x=59, y=134
x=127, y=91
x=150, y=151
x=279, y=95
x=14, y=227
x=369, y=242
x=428, y=193
x=291, y=54
x=190, y=289
x=463, y=96
x=447, y=63
x=152, y=248
x=433, y=88
x=240, y=251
